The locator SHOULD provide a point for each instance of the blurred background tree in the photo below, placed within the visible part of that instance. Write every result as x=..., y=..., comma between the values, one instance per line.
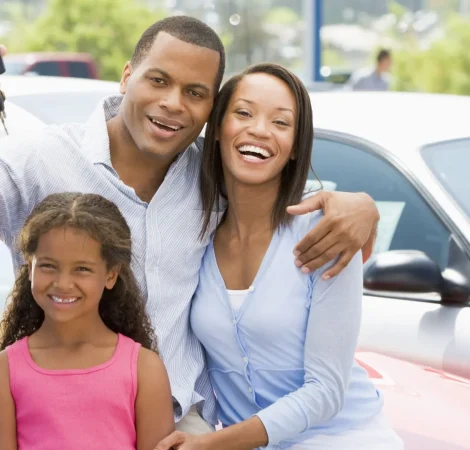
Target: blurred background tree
x=442, y=67
x=107, y=29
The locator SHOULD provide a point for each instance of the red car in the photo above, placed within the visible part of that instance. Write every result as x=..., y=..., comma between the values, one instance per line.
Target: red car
x=77, y=65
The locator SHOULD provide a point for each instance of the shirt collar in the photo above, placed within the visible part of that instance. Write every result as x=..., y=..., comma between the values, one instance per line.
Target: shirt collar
x=96, y=140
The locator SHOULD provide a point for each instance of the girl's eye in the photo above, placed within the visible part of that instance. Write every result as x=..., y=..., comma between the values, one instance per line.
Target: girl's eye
x=83, y=269
x=46, y=266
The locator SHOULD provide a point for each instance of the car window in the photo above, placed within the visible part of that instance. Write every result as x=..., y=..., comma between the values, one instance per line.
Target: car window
x=46, y=68
x=407, y=222
x=62, y=107
x=78, y=69
x=14, y=67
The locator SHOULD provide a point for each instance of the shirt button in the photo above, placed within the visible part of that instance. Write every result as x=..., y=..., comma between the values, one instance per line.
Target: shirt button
x=250, y=389
x=251, y=288
x=234, y=321
x=245, y=359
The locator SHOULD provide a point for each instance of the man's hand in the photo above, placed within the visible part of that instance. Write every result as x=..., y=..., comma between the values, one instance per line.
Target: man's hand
x=349, y=224
x=3, y=50
x=181, y=441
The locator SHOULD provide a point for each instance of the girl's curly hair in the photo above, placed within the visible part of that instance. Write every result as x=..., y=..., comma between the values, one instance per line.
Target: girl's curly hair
x=121, y=308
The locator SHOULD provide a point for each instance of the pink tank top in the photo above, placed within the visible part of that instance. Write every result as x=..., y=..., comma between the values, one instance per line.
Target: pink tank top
x=89, y=409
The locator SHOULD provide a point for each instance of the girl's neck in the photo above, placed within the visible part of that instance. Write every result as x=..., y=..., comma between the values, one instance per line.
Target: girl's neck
x=250, y=208
x=71, y=334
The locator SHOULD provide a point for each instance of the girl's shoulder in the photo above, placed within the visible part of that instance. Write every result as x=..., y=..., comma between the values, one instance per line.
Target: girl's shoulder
x=301, y=225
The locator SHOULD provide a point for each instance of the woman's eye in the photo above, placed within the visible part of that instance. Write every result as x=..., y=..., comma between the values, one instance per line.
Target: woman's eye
x=281, y=122
x=243, y=113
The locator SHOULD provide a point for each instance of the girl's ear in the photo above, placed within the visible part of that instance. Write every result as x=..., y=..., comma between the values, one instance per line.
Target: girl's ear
x=112, y=277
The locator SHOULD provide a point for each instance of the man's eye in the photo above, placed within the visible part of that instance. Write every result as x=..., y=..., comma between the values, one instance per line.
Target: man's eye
x=158, y=80
x=195, y=93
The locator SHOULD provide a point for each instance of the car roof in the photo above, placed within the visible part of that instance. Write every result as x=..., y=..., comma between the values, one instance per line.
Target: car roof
x=14, y=85
x=396, y=121
x=43, y=56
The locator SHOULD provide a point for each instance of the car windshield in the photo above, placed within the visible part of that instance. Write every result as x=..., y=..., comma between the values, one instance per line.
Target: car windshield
x=61, y=107
x=450, y=163
x=14, y=67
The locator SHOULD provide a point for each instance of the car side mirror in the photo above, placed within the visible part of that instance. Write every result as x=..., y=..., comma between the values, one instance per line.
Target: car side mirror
x=413, y=271
x=402, y=271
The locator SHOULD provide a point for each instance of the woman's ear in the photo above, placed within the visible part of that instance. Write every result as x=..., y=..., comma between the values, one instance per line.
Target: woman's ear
x=112, y=277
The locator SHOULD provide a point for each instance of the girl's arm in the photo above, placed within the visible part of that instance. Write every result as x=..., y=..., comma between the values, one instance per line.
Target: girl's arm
x=7, y=408
x=332, y=333
x=154, y=405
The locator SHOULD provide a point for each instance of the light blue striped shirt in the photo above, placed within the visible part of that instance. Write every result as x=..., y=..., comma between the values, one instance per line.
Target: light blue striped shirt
x=287, y=355
x=166, y=248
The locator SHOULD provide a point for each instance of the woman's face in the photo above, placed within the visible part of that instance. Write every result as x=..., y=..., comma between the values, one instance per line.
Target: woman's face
x=257, y=132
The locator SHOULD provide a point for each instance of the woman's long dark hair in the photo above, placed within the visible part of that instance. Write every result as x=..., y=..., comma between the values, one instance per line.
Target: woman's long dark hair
x=295, y=173
x=121, y=308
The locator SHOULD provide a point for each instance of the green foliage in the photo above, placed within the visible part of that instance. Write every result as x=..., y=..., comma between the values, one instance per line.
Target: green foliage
x=444, y=67
x=107, y=29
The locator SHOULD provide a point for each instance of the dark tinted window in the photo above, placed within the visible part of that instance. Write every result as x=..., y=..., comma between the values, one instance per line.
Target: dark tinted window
x=407, y=222
x=46, y=68
x=78, y=69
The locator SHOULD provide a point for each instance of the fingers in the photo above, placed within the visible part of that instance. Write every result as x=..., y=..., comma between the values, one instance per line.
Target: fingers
x=322, y=228
x=318, y=255
x=174, y=439
x=3, y=50
x=313, y=203
x=341, y=264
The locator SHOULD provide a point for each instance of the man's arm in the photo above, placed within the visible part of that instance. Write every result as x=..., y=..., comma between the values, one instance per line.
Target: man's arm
x=154, y=406
x=349, y=225
x=7, y=408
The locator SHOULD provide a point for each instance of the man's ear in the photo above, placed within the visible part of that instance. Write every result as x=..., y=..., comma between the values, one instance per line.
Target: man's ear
x=126, y=73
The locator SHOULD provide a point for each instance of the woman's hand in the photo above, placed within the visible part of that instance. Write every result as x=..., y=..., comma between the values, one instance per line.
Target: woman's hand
x=182, y=441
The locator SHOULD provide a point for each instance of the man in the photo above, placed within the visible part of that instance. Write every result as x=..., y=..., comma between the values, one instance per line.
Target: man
x=377, y=79
x=141, y=150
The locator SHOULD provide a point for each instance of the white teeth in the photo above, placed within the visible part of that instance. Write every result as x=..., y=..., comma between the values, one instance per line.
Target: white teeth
x=165, y=125
x=64, y=300
x=254, y=149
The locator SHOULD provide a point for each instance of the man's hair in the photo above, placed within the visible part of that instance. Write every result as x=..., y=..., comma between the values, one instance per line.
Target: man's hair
x=186, y=29
x=383, y=54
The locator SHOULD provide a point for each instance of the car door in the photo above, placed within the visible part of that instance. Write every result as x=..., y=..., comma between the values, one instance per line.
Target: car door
x=416, y=327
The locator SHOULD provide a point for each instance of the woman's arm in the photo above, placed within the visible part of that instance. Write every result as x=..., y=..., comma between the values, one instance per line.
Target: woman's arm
x=332, y=333
x=7, y=408
x=154, y=407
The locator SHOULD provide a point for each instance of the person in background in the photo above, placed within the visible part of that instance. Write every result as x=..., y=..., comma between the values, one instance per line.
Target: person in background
x=280, y=344
x=376, y=79
x=79, y=367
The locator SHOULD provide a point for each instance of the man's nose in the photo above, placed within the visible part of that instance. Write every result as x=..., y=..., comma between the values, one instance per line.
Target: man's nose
x=172, y=101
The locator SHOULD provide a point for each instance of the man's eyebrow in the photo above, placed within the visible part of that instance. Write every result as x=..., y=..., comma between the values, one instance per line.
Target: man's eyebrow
x=279, y=108
x=201, y=86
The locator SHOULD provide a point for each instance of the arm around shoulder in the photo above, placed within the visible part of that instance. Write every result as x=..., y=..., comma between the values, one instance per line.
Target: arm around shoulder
x=7, y=408
x=154, y=405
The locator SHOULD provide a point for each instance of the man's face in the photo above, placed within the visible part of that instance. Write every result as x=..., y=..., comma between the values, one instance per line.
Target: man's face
x=169, y=95
x=385, y=64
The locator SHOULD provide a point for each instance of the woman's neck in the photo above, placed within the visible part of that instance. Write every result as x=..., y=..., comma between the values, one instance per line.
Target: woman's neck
x=250, y=208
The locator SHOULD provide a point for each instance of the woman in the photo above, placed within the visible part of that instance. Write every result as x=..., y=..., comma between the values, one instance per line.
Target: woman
x=280, y=344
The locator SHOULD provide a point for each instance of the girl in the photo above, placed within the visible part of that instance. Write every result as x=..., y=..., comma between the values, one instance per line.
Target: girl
x=280, y=343
x=78, y=366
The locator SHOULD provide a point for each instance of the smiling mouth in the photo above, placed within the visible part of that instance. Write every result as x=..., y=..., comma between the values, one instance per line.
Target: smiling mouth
x=63, y=300
x=164, y=127
x=254, y=152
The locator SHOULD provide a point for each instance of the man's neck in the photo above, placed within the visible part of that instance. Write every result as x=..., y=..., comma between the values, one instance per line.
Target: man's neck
x=136, y=169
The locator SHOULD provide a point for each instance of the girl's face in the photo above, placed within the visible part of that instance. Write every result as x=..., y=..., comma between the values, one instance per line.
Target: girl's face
x=257, y=133
x=68, y=274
